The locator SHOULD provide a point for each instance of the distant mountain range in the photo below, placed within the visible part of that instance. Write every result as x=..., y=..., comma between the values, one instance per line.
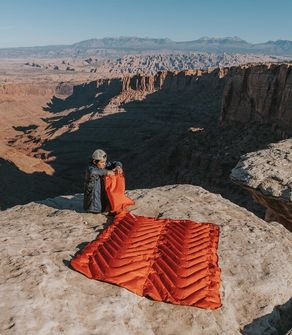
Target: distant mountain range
x=125, y=45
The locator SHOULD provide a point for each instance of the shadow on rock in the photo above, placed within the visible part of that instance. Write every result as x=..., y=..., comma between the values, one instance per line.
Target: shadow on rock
x=18, y=187
x=279, y=322
x=99, y=229
x=72, y=202
x=86, y=99
x=171, y=136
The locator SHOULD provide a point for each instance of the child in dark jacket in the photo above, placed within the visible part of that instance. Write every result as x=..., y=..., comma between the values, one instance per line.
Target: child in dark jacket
x=95, y=198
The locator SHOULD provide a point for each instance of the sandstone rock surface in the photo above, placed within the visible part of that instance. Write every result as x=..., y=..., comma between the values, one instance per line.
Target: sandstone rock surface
x=267, y=174
x=40, y=294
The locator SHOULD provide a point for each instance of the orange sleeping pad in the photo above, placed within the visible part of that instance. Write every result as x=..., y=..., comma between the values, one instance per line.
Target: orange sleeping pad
x=115, y=189
x=164, y=259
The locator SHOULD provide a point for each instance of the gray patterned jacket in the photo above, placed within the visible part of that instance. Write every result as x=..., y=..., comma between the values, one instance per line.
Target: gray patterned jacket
x=95, y=198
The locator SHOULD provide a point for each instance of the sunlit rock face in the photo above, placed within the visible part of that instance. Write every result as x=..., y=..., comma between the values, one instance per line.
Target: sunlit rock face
x=267, y=174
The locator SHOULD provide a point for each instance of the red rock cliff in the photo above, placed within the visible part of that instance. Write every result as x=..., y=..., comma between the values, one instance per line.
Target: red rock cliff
x=176, y=80
x=260, y=93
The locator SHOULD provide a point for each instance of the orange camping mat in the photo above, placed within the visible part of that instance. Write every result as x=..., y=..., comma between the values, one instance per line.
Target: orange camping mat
x=115, y=189
x=167, y=260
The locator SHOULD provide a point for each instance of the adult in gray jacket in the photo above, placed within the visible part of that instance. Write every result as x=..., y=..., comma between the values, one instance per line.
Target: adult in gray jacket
x=95, y=198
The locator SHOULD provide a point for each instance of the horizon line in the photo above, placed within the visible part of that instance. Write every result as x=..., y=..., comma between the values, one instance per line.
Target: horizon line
x=145, y=37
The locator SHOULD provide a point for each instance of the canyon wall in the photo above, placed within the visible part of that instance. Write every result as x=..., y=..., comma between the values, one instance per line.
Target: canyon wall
x=260, y=94
x=171, y=80
x=252, y=93
x=180, y=124
x=255, y=110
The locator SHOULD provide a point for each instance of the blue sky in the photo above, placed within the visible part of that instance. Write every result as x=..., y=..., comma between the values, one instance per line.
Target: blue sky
x=43, y=22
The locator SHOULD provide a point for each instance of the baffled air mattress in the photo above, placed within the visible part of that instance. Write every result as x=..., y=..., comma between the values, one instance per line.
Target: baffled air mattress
x=164, y=259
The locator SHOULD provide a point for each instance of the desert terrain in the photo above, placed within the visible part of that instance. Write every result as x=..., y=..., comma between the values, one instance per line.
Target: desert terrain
x=208, y=132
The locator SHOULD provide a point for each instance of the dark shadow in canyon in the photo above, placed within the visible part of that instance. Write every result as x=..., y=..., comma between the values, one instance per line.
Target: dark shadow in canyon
x=85, y=94
x=158, y=120
x=278, y=322
x=86, y=99
x=25, y=129
x=153, y=138
x=18, y=187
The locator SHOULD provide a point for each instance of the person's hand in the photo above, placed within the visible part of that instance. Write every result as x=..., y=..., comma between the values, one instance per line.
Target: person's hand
x=118, y=170
x=110, y=173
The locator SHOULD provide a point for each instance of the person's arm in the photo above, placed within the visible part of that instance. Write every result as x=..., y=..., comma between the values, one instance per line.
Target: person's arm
x=115, y=166
x=112, y=165
x=95, y=171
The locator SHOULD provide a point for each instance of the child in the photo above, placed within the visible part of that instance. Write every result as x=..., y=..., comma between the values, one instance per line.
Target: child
x=95, y=198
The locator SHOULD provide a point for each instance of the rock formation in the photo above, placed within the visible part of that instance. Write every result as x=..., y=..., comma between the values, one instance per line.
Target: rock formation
x=251, y=94
x=43, y=295
x=70, y=119
x=267, y=175
x=151, y=64
x=166, y=79
x=261, y=94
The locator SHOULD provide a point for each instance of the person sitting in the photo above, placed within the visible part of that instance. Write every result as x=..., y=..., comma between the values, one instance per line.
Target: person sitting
x=95, y=197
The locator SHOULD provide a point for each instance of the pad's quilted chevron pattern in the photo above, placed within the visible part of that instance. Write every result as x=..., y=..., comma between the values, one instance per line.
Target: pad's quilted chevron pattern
x=164, y=259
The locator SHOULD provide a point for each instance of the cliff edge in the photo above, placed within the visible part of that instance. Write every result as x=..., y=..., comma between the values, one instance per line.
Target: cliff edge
x=43, y=295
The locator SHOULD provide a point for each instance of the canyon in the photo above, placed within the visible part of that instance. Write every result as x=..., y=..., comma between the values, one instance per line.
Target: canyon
x=186, y=127
x=210, y=145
